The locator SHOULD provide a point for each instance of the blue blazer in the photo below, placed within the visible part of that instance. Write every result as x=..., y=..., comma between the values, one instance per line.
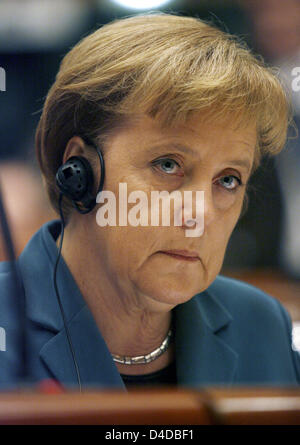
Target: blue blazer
x=230, y=334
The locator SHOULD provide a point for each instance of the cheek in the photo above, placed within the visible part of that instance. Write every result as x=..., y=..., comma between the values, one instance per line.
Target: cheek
x=128, y=248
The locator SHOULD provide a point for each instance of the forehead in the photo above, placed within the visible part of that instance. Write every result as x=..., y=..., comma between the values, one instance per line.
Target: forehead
x=197, y=136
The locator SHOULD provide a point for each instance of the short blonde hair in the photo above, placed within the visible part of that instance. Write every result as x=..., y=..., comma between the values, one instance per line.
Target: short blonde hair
x=167, y=67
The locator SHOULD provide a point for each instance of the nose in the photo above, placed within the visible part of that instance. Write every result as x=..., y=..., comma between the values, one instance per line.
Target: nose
x=198, y=209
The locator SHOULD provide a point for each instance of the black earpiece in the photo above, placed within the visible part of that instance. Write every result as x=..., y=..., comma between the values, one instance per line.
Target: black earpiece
x=75, y=179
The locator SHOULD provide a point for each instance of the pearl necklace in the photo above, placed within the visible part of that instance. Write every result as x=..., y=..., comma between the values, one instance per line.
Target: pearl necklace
x=143, y=359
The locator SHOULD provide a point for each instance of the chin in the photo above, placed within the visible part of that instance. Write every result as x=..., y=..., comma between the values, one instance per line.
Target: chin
x=170, y=282
x=170, y=290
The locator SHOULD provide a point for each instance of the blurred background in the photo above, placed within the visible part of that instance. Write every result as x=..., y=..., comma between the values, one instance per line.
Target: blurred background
x=34, y=36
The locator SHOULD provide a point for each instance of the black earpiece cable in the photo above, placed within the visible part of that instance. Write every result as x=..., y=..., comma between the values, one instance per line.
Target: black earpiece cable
x=89, y=207
x=58, y=296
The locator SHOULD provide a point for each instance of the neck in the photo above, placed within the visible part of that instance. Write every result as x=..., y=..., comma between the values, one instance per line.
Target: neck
x=128, y=326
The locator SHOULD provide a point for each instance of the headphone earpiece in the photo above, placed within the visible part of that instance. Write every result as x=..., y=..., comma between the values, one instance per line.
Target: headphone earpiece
x=75, y=179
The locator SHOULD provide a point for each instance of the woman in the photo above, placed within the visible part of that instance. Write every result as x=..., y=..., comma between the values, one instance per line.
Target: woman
x=156, y=103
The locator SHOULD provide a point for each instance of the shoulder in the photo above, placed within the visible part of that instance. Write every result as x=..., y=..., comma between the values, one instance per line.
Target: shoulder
x=10, y=322
x=237, y=295
x=254, y=313
x=260, y=326
x=26, y=278
x=252, y=310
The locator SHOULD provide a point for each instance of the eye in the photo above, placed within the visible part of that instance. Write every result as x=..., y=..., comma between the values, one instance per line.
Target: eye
x=231, y=182
x=167, y=165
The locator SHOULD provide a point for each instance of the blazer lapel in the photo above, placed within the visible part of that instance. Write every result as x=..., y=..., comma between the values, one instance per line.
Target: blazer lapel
x=202, y=357
x=94, y=361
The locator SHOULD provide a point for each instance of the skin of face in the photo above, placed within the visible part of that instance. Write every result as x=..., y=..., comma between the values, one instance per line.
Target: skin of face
x=123, y=265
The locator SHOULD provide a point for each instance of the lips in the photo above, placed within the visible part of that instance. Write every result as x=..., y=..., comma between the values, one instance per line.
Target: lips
x=184, y=255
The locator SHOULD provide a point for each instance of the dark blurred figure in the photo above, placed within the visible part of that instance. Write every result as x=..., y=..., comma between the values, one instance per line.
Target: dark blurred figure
x=25, y=203
x=275, y=26
x=276, y=32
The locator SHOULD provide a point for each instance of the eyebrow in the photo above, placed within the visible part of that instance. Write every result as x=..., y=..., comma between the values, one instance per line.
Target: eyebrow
x=241, y=163
x=184, y=149
x=172, y=145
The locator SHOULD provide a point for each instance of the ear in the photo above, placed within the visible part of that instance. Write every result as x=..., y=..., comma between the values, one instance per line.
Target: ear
x=75, y=147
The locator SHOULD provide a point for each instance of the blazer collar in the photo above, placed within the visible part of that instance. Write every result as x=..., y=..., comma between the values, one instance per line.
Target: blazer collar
x=93, y=358
x=37, y=269
x=202, y=357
